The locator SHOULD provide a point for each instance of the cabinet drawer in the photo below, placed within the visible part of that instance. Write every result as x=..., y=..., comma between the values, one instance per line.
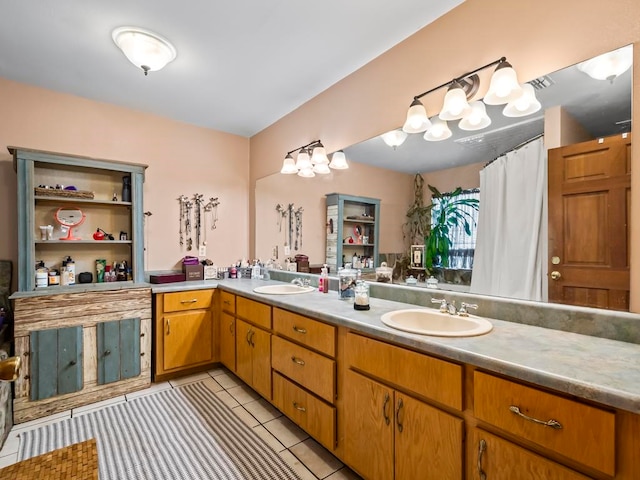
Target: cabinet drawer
x=189, y=300
x=587, y=433
x=309, y=332
x=430, y=377
x=228, y=302
x=255, y=312
x=307, y=411
x=309, y=369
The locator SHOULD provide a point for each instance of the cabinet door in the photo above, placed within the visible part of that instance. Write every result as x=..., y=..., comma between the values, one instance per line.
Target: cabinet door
x=187, y=339
x=368, y=417
x=228, y=341
x=118, y=355
x=261, y=362
x=244, y=352
x=56, y=362
x=428, y=442
x=492, y=458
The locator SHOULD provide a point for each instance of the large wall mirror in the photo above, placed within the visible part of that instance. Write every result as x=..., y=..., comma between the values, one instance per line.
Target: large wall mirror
x=574, y=106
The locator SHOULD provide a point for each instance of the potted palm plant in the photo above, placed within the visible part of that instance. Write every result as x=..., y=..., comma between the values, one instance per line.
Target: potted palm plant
x=446, y=214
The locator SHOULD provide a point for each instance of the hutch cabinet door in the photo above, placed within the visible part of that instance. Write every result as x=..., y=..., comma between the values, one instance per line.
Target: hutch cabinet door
x=56, y=362
x=118, y=344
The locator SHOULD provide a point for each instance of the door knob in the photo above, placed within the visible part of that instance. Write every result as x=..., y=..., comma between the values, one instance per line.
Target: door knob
x=555, y=275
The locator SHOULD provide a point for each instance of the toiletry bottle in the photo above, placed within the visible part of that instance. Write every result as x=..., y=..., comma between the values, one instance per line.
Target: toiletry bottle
x=71, y=268
x=324, y=278
x=42, y=275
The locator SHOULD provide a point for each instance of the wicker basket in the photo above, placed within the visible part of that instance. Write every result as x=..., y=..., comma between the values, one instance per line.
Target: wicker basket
x=55, y=192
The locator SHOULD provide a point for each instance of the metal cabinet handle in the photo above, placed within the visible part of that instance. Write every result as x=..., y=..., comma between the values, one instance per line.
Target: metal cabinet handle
x=482, y=446
x=398, y=422
x=549, y=423
x=72, y=362
x=227, y=302
x=107, y=352
x=385, y=404
x=297, y=360
x=231, y=328
x=251, y=339
x=299, y=330
x=247, y=338
x=193, y=300
x=298, y=407
x=168, y=326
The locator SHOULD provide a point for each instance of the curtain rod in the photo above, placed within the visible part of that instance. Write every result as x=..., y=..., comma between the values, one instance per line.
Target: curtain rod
x=520, y=145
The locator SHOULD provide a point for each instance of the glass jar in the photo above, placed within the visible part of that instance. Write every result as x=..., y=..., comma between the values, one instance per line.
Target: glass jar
x=347, y=277
x=432, y=282
x=361, y=295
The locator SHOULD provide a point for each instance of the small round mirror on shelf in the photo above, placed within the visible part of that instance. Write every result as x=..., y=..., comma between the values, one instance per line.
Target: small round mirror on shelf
x=70, y=217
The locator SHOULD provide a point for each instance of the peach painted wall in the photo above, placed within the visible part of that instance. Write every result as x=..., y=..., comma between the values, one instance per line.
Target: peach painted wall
x=394, y=189
x=182, y=159
x=536, y=37
x=467, y=177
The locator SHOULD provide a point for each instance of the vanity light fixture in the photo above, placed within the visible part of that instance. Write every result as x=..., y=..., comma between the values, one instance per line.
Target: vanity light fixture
x=145, y=49
x=609, y=65
x=394, y=138
x=503, y=89
x=311, y=160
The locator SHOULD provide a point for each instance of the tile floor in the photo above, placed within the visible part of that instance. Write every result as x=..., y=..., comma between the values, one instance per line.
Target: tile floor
x=307, y=457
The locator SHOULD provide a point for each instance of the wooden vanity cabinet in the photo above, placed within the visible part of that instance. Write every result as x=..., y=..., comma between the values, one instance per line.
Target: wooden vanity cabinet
x=185, y=336
x=228, y=330
x=253, y=345
x=490, y=457
x=304, y=373
x=79, y=348
x=411, y=438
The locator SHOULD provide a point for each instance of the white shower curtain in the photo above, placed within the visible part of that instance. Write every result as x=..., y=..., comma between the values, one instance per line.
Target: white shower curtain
x=508, y=257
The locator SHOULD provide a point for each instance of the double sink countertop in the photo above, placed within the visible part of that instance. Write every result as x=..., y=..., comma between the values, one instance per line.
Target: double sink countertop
x=593, y=368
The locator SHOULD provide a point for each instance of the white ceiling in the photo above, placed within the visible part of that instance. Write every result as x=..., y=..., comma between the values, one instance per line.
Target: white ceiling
x=241, y=65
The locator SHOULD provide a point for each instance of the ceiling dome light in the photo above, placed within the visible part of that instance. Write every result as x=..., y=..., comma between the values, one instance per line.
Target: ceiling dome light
x=439, y=131
x=289, y=165
x=394, y=138
x=339, y=161
x=524, y=105
x=477, y=119
x=608, y=65
x=455, y=103
x=417, y=120
x=146, y=50
x=504, y=86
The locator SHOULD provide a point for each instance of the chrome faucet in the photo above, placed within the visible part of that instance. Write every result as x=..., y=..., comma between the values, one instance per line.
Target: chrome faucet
x=297, y=281
x=463, y=309
x=445, y=307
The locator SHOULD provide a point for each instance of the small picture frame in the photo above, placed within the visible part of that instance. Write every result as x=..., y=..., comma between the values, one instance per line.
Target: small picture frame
x=417, y=256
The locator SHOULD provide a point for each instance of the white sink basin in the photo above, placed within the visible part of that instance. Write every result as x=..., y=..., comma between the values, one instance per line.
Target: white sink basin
x=286, y=289
x=433, y=322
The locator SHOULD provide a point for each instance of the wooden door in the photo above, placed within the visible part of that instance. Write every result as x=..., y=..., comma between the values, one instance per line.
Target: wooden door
x=428, y=441
x=368, y=419
x=244, y=352
x=491, y=457
x=261, y=362
x=589, y=214
x=187, y=339
x=228, y=341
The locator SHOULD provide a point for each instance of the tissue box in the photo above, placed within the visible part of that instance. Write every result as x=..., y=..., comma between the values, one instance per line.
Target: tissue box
x=167, y=278
x=193, y=272
x=210, y=272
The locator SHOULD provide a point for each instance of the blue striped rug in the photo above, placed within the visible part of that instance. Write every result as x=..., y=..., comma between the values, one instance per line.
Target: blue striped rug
x=182, y=433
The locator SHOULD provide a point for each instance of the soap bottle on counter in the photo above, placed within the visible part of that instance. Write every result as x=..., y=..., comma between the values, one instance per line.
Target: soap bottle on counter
x=323, y=282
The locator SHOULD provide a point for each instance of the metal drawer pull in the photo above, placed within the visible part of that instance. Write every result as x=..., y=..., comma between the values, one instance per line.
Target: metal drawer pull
x=481, y=448
x=231, y=328
x=193, y=300
x=248, y=338
x=384, y=408
x=107, y=352
x=298, y=407
x=549, y=423
x=297, y=360
x=299, y=330
x=398, y=422
x=251, y=338
x=168, y=326
x=227, y=302
x=72, y=362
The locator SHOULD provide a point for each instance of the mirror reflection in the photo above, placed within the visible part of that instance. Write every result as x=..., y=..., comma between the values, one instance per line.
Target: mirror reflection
x=575, y=108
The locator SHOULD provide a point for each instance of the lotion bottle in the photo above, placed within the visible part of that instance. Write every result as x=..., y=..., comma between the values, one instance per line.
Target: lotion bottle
x=323, y=283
